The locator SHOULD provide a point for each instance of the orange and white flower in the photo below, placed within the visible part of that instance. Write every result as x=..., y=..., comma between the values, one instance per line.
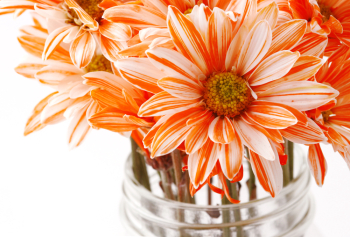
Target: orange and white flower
x=80, y=24
x=333, y=118
x=73, y=98
x=221, y=90
x=18, y=7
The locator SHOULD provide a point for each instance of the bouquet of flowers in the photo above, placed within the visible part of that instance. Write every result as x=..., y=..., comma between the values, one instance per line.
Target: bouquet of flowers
x=197, y=85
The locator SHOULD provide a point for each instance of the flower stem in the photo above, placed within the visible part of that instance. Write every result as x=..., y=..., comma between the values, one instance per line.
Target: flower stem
x=166, y=184
x=291, y=159
x=285, y=168
x=139, y=166
x=177, y=164
x=209, y=192
x=251, y=180
x=236, y=213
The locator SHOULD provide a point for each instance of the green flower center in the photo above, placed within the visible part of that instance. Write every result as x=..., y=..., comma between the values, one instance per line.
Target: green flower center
x=325, y=10
x=227, y=94
x=99, y=63
x=326, y=114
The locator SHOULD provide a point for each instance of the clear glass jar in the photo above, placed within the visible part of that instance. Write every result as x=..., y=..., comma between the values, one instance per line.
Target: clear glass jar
x=145, y=213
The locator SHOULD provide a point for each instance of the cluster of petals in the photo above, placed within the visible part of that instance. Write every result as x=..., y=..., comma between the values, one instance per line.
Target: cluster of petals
x=162, y=54
x=77, y=94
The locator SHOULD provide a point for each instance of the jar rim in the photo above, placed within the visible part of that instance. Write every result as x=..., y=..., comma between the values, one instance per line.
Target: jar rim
x=149, y=195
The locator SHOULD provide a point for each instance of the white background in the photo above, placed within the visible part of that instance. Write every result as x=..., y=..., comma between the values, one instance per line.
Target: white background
x=47, y=190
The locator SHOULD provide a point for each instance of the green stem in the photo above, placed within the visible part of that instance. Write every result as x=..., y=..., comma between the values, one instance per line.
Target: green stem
x=236, y=213
x=226, y=217
x=251, y=180
x=285, y=168
x=166, y=184
x=291, y=159
x=139, y=166
x=177, y=163
x=209, y=193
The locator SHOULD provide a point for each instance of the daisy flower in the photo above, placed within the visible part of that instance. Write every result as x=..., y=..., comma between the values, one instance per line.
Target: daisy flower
x=332, y=118
x=72, y=99
x=18, y=7
x=80, y=24
x=211, y=93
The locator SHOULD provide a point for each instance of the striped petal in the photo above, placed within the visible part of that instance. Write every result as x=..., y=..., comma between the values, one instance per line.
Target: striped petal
x=188, y=40
x=317, y=164
x=230, y=157
x=181, y=87
x=269, y=173
x=53, y=114
x=287, y=35
x=28, y=70
x=138, y=121
x=141, y=73
x=312, y=45
x=254, y=48
x=202, y=162
x=268, y=13
x=115, y=31
x=139, y=17
x=173, y=63
x=303, y=69
x=302, y=95
x=112, y=120
x=83, y=16
x=78, y=129
x=220, y=34
x=34, y=122
x=54, y=39
x=110, y=48
x=82, y=49
x=198, y=134
x=304, y=134
x=172, y=133
x=274, y=67
x=254, y=139
x=53, y=74
x=302, y=118
x=270, y=116
x=14, y=5
x=164, y=103
x=221, y=130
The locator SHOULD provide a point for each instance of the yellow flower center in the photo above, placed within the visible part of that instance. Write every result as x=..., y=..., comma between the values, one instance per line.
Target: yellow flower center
x=326, y=114
x=99, y=63
x=227, y=94
x=325, y=10
x=188, y=11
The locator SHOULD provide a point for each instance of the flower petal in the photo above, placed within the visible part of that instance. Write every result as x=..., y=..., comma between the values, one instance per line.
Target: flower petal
x=287, y=35
x=53, y=114
x=274, y=67
x=254, y=139
x=317, y=163
x=173, y=63
x=164, y=103
x=141, y=73
x=34, y=122
x=82, y=49
x=53, y=74
x=312, y=45
x=172, y=132
x=110, y=48
x=220, y=34
x=188, y=40
x=230, y=157
x=28, y=70
x=221, y=130
x=269, y=173
x=304, y=134
x=198, y=135
x=270, y=116
x=83, y=16
x=202, y=162
x=139, y=17
x=181, y=87
x=268, y=13
x=302, y=95
x=115, y=31
x=254, y=48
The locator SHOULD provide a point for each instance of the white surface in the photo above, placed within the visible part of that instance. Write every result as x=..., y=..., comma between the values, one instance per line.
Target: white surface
x=46, y=190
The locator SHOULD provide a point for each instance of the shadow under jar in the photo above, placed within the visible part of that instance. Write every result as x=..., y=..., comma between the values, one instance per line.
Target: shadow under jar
x=290, y=213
